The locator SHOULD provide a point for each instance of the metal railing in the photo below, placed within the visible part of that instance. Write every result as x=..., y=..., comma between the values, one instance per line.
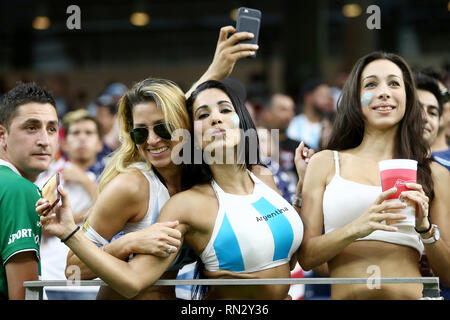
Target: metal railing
x=34, y=289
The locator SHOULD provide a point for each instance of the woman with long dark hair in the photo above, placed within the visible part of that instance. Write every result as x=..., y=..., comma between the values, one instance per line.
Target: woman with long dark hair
x=234, y=217
x=378, y=118
x=141, y=176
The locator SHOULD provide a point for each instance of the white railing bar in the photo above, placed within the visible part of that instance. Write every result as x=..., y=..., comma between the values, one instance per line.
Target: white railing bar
x=265, y=281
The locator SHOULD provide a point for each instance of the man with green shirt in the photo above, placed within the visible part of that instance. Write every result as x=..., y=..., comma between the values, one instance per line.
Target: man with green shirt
x=28, y=142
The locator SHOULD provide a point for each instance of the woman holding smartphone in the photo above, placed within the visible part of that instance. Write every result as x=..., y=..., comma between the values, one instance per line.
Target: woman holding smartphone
x=378, y=118
x=140, y=177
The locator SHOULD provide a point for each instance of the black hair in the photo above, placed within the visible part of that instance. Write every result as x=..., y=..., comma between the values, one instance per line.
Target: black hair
x=22, y=94
x=309, y=87
x=201, y=173
x=427, y=83
x=434, y=73
x=108, y=102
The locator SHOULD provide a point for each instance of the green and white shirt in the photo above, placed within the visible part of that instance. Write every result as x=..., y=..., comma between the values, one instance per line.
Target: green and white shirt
x=20, y=228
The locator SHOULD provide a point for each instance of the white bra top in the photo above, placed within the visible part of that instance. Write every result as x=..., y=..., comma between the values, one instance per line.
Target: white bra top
x=252, y=232
x=345, y=200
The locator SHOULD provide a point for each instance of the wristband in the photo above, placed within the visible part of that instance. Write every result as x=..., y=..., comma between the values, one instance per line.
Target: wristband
x=70, y=235
x=425, y=231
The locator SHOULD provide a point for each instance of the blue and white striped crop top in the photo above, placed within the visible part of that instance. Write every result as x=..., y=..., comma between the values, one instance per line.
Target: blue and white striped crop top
x=252, y=232
x=345, y=200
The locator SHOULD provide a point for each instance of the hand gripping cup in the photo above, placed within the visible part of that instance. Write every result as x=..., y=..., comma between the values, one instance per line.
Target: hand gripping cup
x=396, y=173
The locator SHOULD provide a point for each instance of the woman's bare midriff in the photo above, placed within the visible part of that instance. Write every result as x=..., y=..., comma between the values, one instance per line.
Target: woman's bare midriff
x=374, y=259
x=151, y=293
x=241, y=292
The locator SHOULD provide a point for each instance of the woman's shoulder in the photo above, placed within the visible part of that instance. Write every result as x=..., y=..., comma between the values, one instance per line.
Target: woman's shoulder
x=127, y=184
x=124, y=198
x=437, y=169
x=130, y=177
x=320, y=168
x=199, y=192
x=182, y=204
x=327, y=157
x=440, y=174
x=322, y=158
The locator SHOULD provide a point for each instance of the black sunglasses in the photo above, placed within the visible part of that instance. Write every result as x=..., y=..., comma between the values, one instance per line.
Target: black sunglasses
x=162, y=130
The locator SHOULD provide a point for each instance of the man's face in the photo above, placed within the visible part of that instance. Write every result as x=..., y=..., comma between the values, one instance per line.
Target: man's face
x=82, y=141
x=105, y=118
x=283, y=110
x=322, y=99
x=445, y=117
x=31, y=140
x=431, y=111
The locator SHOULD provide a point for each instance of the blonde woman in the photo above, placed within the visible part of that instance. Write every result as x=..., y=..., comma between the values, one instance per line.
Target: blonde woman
x=140, y=177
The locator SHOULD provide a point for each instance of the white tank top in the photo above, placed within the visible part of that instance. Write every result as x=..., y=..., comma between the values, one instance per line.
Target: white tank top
x=345, y=200
x=159, y=195
x=157, y=198
x=252, y=232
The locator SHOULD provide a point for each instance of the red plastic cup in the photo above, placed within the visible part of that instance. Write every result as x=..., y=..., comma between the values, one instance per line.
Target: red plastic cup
x=396, y=173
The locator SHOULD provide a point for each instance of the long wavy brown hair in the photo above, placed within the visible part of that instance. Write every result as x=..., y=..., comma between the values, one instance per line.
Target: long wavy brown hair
x=348, y=127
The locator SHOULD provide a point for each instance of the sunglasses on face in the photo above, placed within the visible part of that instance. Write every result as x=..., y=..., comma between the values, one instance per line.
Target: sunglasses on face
x=162, y=130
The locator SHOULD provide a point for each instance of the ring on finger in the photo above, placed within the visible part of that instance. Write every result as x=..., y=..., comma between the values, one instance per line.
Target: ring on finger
x=169, y=250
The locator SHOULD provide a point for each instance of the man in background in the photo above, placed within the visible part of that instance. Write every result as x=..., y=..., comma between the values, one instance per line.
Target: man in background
x=440, y=148
x=317, y=104
x=277, y=113
x=81, y=145
x=430, y=98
